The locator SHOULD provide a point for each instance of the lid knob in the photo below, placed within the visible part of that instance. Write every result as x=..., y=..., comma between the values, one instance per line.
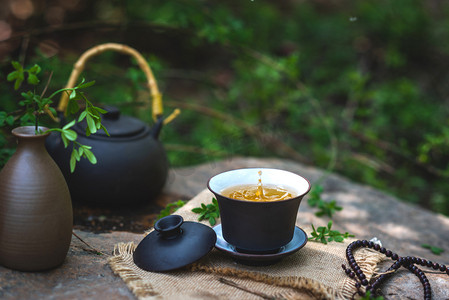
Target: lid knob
x=174, y=244
x=169, y=227
x=113, y=113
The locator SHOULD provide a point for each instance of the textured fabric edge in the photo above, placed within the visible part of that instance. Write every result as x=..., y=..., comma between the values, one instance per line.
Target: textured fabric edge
x=310, y=286
x=119, y=265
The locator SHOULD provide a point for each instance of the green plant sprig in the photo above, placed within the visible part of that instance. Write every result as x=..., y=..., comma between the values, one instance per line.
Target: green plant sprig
x=210, y=212
x=326, y=234
x=435, y=250
x=170, y=208
x=35, y=105
x=368, y=296
x=327, y=208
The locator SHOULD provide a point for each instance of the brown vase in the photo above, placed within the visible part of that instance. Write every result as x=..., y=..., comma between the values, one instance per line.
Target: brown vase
x=35, y=208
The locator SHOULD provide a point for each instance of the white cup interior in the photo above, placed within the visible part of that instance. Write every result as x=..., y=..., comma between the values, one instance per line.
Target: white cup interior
x=291, y=181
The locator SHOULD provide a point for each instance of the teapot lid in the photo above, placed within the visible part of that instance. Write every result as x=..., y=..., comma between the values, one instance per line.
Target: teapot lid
x=174, y=244
x=117, y=125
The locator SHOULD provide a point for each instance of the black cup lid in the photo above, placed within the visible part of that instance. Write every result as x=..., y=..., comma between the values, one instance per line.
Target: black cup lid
x=174, y=244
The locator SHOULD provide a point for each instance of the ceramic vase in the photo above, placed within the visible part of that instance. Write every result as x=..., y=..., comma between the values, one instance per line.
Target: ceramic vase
x=35, y=207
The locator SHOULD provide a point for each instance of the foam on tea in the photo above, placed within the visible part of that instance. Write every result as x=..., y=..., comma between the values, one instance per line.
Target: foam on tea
x=259, y=192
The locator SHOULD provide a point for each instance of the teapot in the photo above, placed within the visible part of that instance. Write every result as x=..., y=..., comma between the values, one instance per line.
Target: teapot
x=132, y=165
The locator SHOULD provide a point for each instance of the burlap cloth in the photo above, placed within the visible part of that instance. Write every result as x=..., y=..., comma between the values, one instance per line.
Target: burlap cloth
x=314, y=272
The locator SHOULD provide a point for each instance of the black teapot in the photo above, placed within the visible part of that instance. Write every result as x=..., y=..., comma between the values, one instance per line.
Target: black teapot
x=132, y=165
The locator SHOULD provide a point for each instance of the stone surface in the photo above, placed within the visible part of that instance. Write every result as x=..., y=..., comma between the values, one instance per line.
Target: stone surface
x=367, y=213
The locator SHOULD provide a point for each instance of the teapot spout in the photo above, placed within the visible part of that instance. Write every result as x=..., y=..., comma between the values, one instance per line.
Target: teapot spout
x=156, y=130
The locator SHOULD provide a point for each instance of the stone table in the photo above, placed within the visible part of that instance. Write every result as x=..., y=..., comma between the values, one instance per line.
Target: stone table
x=367, y=213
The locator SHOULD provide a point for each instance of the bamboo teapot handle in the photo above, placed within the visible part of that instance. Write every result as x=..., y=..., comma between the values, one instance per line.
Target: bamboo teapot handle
x=157, y=109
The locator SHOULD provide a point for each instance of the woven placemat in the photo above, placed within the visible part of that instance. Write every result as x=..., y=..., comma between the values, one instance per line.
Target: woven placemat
x=314, y=272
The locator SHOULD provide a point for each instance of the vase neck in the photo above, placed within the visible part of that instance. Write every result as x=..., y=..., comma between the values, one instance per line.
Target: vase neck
x=26, y=136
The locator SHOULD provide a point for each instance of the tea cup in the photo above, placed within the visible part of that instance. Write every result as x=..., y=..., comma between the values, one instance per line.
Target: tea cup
x=255, y=226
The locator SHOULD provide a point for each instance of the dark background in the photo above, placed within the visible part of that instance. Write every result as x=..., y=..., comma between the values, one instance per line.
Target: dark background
x=356, y=87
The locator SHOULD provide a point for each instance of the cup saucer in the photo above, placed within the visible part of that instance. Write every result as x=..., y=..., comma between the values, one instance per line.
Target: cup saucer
x=299, y=240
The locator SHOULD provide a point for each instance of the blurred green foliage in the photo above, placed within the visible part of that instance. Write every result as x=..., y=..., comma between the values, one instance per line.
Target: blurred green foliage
x=357, y=87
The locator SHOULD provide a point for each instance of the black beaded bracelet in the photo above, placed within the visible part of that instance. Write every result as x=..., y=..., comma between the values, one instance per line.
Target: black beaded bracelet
x=407, y=262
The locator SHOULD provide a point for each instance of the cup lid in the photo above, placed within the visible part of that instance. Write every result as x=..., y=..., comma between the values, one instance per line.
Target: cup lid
x=174, y=244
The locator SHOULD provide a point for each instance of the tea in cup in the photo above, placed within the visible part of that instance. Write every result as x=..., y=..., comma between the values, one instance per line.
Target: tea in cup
x=258, y=207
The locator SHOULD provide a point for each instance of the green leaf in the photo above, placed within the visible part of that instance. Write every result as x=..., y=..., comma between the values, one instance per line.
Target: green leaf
x=327, y=208
x=26, y=117
x=72, y=161
x=100, y=110
x=65, y=140
x=334, y=232
x=52, y=110
x=209, y=212
x=90, y=156
x=338, y=238
x=16, y=65
x=105, y=130
x=36, y=69
x=433, y=249
x=32, y=79
x=93, y=113
x=68, y=125
x=90, y=125
x=315, y=196
x=18, y=83
x=436, y=250
x=77, y=155
x=86, y=85
x=10, y=120
x=82, y=116
x=12, y=76
x=369, y=296
x=72, y=94
x=70, y=134
x=170, y=208
x=320, y=234
x=17, y=75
